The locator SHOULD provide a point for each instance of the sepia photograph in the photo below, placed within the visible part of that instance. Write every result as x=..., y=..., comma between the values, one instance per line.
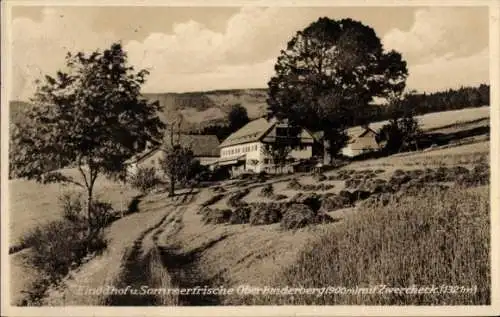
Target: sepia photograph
x=244, y=155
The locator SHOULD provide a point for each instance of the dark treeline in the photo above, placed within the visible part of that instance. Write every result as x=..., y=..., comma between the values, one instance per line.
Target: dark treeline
x=452, y=99
x=221, y=130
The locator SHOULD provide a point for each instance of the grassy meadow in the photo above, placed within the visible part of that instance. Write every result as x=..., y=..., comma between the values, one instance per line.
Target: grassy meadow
x=435, y=238
x=33, y=204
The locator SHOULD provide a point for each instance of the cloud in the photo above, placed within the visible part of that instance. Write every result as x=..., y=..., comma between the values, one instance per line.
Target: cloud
x=441, y=32
x=39, y=48
x=444, y=72
x=190, y=56
x=191, y=51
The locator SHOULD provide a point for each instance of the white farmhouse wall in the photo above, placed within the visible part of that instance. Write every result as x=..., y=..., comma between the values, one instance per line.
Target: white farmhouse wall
x=348, y=151
x=206, y=160
x=255, y=152
x=301, y=154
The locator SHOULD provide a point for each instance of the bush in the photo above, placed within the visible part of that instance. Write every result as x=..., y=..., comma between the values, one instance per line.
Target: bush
x=240, y=215
x=235, y=199
x=346, y=198
x=265, y=214
x=212, y=200
x=312, y=200
x=215, y=215
x=399, y=172
x=319, y=177
x=360, y=194
x=218, y=189
x=267, y=191
x=144, y=179
x=59, y=246
x=72, y=206
x=294, y=184
x=297, y=216
x=378, y=200
x=102, y=214
x=279, y=197
x=333, y=202
x=300, y=215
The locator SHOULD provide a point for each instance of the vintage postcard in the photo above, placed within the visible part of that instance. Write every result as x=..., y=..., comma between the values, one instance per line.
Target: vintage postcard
x=250, y=158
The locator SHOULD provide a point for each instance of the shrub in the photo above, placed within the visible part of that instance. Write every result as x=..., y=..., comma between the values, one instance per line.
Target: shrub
x=346, y=198
x=235, y=199
x=72, y=206
x=398, y=172
x=216, y=215
x=332, y=203
x=319, y=177
x=294, y=184
x=279, y=197
x=297, y=216
x=360, y=194
x=102, y=214
x=218, y=189
x=312, y=200
x=240, y=215
x=60, y=245
x=267, y=191
x=378, y=200
x=300, y=215
x=212, y=200
x=265, y=214
x=144, y=179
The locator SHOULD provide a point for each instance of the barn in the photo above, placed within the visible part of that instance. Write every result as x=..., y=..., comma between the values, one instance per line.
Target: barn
x=205, y=149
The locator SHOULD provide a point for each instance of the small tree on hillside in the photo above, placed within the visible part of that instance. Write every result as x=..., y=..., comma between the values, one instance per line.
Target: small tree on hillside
x=287, y=137
x=237, y=117
x=178, y=158
x=403, y=131
x=279, y=154
x=91, y=117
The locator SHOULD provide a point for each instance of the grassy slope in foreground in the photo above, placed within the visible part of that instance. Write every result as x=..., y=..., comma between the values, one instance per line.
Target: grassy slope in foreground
x=32, y=204
x=438, y=238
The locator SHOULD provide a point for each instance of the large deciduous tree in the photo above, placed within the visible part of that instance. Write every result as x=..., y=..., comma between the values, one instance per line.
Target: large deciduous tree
x=90, y=116
x=329, y=73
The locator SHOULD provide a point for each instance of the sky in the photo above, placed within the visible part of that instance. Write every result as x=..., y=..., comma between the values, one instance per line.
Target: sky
x=206, y=48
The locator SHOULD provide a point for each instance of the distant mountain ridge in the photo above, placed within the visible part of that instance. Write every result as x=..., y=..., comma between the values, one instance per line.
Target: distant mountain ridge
x=210, y=108
x=199, y=109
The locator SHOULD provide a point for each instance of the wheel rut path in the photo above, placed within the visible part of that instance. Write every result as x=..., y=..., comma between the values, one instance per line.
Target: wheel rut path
x=151, y=263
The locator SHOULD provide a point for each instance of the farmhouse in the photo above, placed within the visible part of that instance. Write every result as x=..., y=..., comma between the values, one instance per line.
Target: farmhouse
x=361, y=142
x=244, y=150
x=204, y=147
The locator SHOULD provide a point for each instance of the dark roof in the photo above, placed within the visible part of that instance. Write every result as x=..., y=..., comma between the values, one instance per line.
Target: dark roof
x=201, y=145
x=260, y=129
x=142, y=156
x=366, y=131
x=250, y=132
